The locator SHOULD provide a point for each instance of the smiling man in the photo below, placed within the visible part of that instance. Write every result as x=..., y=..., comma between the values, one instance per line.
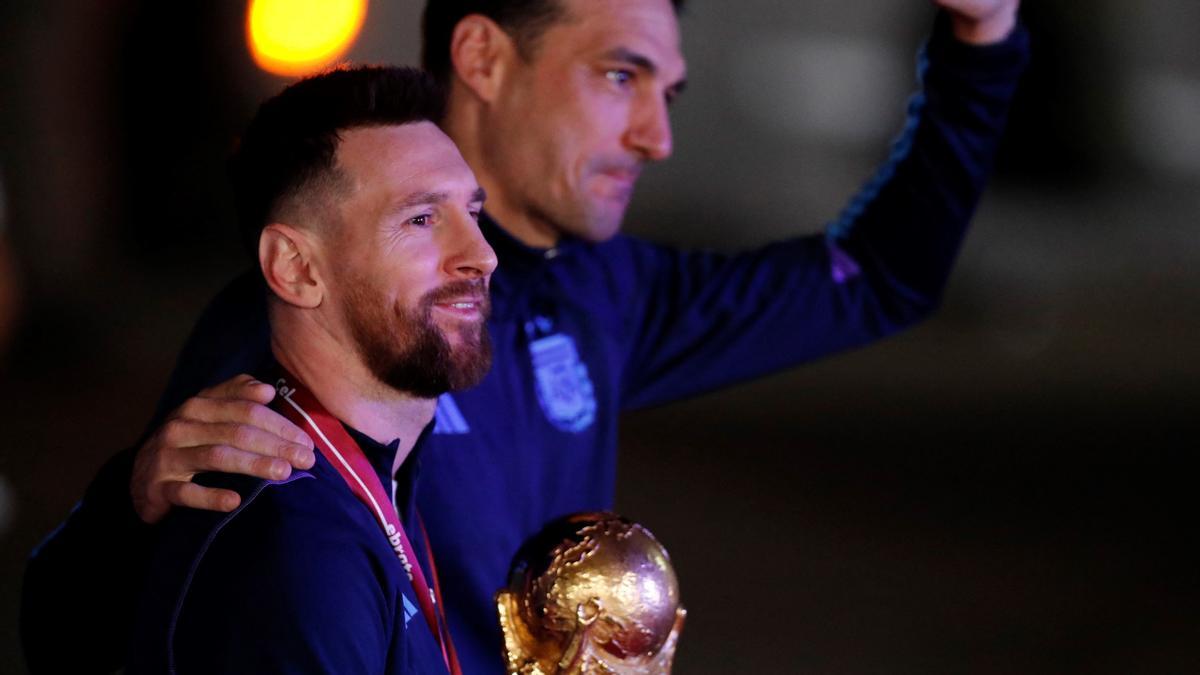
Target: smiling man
x=364, y=214
x=557, y=105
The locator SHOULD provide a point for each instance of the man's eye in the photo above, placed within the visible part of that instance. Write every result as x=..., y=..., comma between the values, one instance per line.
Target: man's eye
x=619, y=76
x=475, y=215
x=420, y=221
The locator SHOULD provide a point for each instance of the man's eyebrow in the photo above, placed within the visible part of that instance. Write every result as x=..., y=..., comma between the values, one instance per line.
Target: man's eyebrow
x=436, y=197
x=627, y=55
x=422, y=199
x=638, y=60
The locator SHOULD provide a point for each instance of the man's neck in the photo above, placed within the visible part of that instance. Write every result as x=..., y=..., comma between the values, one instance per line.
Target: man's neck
x=346, y=387
x=462, y=124
x=533, y=232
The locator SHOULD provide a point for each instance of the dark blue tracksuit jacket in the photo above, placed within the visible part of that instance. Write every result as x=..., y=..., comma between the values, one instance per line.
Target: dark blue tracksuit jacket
x=299, y=579
x=582, y=332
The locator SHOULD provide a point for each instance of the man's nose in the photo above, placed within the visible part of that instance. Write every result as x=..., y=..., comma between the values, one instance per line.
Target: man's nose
x=471, y=256
x=649, y=131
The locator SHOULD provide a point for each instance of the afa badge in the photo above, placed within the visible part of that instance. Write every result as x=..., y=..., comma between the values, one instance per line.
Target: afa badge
x=564, y=389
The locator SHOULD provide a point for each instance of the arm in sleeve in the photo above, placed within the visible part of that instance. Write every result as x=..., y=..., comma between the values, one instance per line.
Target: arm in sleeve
x=705, y=320
x=82, y=581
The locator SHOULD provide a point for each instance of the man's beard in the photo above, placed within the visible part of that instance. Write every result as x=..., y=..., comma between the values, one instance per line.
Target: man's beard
x=406, y=350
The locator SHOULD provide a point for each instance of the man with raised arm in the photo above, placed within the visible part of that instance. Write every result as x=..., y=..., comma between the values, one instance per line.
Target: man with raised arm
x=364, y=219
x=556, y=106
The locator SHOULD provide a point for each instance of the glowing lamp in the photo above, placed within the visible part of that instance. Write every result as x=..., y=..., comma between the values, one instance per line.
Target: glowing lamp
x=298, y=37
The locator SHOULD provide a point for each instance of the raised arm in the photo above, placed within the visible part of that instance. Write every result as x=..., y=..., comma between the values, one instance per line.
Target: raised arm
x=699, y=321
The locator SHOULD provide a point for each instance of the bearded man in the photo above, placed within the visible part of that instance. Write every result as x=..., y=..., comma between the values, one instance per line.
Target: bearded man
x=364, y=219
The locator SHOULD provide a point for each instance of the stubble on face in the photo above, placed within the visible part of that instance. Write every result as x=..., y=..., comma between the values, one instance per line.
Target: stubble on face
x=406, y=350
x=567, y=142
x=550, y=171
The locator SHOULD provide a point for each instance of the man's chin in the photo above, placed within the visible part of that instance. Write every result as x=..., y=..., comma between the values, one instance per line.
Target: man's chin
x=463, y=335
x=603, y=223
x=470, y=362
x=459, y=330
x=470, y=373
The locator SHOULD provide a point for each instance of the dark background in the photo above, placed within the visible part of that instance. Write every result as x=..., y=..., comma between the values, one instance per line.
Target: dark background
x=1008, y=488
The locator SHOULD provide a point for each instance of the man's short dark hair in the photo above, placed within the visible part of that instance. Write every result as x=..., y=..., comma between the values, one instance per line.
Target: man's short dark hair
x=288, y=153
x=523, y=20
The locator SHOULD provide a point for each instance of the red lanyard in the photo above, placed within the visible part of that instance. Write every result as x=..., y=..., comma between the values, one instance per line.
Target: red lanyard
x=303, y=409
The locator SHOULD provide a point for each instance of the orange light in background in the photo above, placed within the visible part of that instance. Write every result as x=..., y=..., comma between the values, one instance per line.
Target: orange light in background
x=298, y=37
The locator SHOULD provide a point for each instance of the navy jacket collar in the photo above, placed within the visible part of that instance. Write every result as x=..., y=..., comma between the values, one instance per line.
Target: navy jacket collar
x=382, y=455
x=517, y=256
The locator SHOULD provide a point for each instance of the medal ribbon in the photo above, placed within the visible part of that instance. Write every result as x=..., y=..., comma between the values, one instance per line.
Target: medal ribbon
x=298, y=404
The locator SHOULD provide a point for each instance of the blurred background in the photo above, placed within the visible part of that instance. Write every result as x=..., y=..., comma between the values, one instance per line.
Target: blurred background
x=1008, y=488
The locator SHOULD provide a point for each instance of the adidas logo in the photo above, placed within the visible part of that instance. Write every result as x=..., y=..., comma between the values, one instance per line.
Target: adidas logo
x=448, y=419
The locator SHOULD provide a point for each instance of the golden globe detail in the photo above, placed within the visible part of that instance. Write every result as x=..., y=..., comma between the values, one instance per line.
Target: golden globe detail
x=591, y=593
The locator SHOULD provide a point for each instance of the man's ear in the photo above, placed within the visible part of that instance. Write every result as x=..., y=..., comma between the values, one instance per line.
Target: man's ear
x=480, y=53
x=286, y=256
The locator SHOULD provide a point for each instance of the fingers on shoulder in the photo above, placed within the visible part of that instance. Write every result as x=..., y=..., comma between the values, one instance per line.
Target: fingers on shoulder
x=231, y=459
x=255, y=415
x=191, y=495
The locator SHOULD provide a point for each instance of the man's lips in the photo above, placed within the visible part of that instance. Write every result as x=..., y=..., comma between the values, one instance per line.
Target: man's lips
x=463, y=299
x=628, y=176
x=463, y=306
x=617, y=182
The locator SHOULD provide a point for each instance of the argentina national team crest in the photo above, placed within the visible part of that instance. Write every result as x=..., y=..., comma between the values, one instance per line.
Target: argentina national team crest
x=563, y=387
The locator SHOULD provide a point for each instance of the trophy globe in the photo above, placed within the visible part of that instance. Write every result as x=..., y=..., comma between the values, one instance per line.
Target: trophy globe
x=591, y=593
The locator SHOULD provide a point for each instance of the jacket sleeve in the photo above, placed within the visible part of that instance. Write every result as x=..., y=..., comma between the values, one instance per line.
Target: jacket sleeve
x=703, y=320
x=81, y=580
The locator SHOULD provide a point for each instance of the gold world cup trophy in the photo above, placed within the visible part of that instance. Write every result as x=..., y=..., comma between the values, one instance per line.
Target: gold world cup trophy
x=591, y=593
